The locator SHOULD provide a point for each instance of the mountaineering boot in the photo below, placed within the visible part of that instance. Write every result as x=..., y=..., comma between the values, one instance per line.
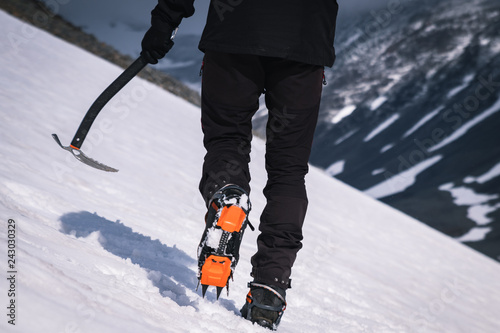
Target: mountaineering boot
x=218, y=252
x=264, y=305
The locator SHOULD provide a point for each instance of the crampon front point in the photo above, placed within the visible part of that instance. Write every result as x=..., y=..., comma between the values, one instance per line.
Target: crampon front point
x=218, y=252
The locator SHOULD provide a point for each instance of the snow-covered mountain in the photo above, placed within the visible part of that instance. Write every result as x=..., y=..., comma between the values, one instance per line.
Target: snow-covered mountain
x=115, y=252
x=411, y=114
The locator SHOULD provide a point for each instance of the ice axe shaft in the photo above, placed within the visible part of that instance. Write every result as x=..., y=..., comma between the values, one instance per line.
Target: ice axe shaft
x=104, y=98
x=94, y=110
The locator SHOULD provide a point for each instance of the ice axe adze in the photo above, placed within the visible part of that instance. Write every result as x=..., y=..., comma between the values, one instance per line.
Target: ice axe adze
x=95, y=108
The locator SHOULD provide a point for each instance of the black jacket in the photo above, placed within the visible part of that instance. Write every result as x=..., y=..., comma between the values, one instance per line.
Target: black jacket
x=300, y=30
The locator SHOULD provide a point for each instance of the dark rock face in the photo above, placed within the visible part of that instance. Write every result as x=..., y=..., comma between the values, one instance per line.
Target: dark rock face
x=423, y=82
x=38, y=14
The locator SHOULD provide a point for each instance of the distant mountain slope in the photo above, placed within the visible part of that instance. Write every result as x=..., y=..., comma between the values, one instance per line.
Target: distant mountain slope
x=411, y=113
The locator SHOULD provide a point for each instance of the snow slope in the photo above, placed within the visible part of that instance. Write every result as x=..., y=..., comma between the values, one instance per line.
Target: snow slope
x=102, y=252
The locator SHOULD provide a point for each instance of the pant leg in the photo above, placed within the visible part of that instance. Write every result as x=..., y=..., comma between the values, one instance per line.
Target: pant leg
x=231, y=86
x=293, y=92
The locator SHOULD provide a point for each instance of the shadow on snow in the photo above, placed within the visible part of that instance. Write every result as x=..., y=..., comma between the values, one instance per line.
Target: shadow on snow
x=167, y=267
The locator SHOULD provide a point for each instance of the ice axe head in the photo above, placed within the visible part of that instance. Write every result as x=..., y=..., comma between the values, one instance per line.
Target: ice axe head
x=84, y=158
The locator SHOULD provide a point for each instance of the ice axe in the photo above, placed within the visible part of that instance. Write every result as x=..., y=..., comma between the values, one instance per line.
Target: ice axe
x=95, y=108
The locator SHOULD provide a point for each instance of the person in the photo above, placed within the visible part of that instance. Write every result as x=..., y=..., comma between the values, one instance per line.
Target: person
x=278, y=48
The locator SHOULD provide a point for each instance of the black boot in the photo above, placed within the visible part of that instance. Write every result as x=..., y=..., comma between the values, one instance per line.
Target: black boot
x=264, y=305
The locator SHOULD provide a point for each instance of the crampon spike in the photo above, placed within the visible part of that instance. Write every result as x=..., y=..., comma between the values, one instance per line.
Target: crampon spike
x=219, y=290
x=204, y=288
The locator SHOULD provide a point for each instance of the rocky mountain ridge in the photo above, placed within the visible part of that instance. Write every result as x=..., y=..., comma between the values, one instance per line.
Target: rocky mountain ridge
x=46, y=17
x=411, y=114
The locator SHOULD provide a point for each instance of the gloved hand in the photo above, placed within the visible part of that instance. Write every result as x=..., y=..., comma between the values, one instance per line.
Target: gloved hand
x=156, y=44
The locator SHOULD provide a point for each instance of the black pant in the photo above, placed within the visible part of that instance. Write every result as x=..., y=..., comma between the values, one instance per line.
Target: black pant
x=231, y=87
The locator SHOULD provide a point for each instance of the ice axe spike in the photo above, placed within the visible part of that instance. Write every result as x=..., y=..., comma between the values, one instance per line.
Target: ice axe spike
x=94, y=110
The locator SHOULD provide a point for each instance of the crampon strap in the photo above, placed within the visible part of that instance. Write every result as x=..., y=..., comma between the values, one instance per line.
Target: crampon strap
x=268, y=307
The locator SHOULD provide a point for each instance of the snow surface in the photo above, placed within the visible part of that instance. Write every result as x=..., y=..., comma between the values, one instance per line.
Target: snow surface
x=475, y=234
x=104, y=252
x=336, y=168
x=345, y=136
x=465, y=83
x=467, y=126
x=422, y=121
x=388, y=122
x=386, y=147
x=344, y=112
x=477, y=211
x=401, y=181
x=378, y=102
x=466, y=196
x=378, y=171
x=489, y=175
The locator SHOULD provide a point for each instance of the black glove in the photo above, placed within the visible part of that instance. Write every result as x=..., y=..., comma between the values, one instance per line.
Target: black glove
x=156, y=44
